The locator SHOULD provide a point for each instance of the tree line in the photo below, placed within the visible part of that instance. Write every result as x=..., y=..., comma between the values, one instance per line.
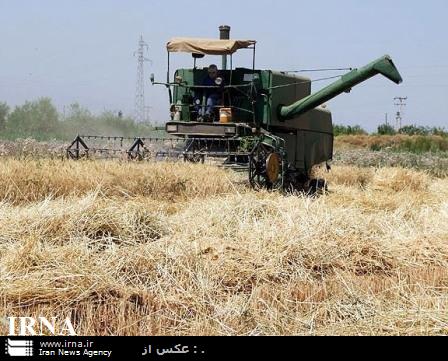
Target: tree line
x=387, y=129
x=40, y=120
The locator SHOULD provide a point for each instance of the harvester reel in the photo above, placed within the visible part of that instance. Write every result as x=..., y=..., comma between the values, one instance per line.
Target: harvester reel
x=265, y=168
x=194, y=151
x=136, y=156
x=194, y=158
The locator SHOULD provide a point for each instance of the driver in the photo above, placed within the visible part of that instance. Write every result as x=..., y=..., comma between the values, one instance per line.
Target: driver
x=212, y=95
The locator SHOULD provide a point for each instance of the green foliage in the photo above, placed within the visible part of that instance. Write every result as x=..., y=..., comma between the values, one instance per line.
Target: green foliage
x=423, y=144
x=439, y=131
x=40, y=120
x=348, y=130
x=247, y=144
x=80, y=120
x=414, y=130
x=386, y=129
x=4, y=111
x=420, y=130
x=375, y=147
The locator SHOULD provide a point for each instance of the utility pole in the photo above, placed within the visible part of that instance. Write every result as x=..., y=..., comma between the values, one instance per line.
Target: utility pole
x=140, y=109
x=400, y=103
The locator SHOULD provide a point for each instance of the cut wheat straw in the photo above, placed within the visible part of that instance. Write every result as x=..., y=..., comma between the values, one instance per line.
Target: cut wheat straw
x=125, y=249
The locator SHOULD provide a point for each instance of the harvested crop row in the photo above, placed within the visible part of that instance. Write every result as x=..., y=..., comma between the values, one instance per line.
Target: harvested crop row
x=35, y=180
x=370, y=257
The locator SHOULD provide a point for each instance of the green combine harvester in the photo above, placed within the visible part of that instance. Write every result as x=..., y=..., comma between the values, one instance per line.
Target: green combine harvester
x=265, y=121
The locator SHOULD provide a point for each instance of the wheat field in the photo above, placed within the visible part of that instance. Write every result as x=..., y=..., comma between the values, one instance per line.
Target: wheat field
x=179, y=249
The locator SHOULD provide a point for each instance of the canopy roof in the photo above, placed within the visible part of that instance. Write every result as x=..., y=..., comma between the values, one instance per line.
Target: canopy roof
x=207, y=46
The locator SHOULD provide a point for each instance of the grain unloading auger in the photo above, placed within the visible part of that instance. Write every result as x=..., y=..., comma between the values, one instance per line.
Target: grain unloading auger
x=264, y=121
x=383, y=66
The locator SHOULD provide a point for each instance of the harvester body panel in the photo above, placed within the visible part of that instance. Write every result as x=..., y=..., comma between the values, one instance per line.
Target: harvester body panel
x=308, y=137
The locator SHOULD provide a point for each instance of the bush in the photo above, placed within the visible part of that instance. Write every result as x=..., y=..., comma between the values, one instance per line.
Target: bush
x=439, y=131
x=424, y=131
x=80, y=121
x=348, y=130
x=40, y=120
x=424, y=144
x=4, y=111
x=386, y=129
x=414, y=130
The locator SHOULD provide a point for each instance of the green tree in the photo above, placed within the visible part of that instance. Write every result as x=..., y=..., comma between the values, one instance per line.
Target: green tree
x=78, y=120
x=386, y=129
x=439, y=131
x=348, y=130
x=38, y=119
x=415, y=130
x=79, y=115
x=4, y=111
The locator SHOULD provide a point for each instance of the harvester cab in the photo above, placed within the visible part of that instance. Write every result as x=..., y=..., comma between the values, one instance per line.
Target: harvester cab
x=266, y=121
x=232, y=90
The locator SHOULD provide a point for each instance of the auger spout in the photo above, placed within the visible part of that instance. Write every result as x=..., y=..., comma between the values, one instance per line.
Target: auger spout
x=383, y=65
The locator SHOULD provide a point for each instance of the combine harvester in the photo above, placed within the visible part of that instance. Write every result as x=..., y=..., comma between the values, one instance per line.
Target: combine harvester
x=265, y=122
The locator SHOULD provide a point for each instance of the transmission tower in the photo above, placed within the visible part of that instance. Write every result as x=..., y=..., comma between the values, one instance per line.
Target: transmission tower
x=400, y=103
x=140, y=109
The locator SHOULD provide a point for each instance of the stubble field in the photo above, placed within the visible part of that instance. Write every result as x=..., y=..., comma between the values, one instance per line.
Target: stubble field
x=178, y=249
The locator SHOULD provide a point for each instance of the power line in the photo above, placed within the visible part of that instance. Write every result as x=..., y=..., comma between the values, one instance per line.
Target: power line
x=141, y=114
x=317, y=70
x=304, y=82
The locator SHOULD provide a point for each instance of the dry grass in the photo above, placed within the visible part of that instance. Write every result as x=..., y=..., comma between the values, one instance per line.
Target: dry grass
x=31, y=180
x=175, y=249
x=435, y=164
x=383, y=141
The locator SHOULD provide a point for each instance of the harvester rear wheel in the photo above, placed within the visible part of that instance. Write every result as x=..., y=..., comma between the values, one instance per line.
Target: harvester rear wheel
x=265, y=168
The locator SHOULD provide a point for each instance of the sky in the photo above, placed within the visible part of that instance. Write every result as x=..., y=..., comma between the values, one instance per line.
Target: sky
x=83, y=50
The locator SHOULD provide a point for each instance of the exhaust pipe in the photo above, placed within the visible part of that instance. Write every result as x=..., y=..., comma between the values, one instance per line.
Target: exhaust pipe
x=224, y=34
